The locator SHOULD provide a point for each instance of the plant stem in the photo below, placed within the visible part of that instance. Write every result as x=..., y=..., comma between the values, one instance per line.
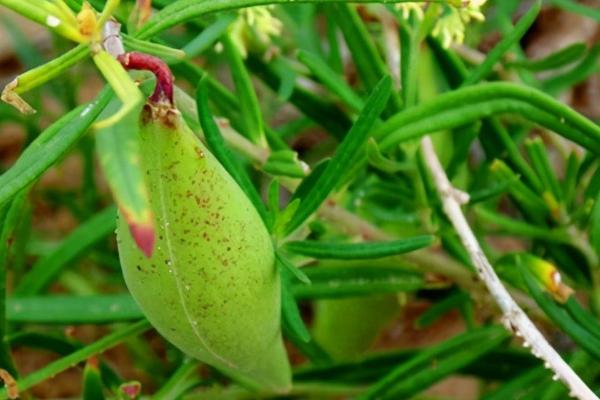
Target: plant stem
x=515, y=320
x=164, y=77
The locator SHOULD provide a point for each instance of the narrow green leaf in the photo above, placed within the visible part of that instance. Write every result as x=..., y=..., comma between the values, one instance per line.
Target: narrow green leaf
x=514, y=154
x=582, y=316
x=168, y=54
x=579, y=73
x=287, y=77
x=209, y=35
x=358, y=251
x=561, y=318
x=437, y=371
x=367, y=59
x=438, y=309
x=378, y=160
x=409, y=54
x=510, y=226
x=44, y=14
x=472, y=103
x=123, y=86
x=520, y=386
x=330, y=283
x=289, y=308
x=78, y=356
x=118, y=148
x=578, y=8
x=285, y=163
x=498, y=365
x=252, y=119
x=595, y=225
x=496, y=188
x=425, y=368
x=322, y=112
x=71, y=310
x=46, y=269
x=524, y=197
x=557, y=59
x=292, y=269
x=217, y=146
x=483, y=70
x=92, y=381
x=311, y=350
x=538, y=154
x=37, y=76
x=570, y=180
x=180, y=382
x=308, y=183
x=331, y=79
x=346, y=154
x=49, y=147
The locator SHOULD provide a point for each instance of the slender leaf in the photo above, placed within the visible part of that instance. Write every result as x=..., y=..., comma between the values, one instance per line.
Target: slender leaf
x=367, y=59
x=118, y=147
x=291, y=268
x=182, y=380
x=63, y=310
x=578, y=8
x=329, y=283
x=482, y=71
x=217, y=146
x=78, y=356
x=330, y=78
x=560, y=317
x=49, y=147
x=252, y=119
x=557, y=59
x=92, y=381
x=289, y=308
x=472, y=103
x=358, y=251
x=429, y=363
x=345, y=155
x=46, y=269
x=209, y=36
x=580, y=72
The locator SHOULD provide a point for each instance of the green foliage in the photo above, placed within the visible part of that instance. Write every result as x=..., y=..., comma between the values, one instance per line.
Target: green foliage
x=314, y=120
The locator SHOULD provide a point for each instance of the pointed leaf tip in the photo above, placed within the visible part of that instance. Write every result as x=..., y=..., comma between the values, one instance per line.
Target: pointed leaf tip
x=144, y=237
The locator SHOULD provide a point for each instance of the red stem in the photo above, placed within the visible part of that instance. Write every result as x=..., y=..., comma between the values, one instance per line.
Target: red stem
x=164, y=77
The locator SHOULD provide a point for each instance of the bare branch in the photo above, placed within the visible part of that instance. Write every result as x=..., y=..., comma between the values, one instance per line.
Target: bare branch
x=514, y=318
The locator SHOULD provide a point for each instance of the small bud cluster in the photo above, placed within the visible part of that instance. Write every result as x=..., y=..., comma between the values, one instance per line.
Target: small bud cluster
x=452, y=18
x=254, y=26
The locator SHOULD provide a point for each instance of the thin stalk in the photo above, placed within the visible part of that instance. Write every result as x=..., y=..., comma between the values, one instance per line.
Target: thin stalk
x=515, y=320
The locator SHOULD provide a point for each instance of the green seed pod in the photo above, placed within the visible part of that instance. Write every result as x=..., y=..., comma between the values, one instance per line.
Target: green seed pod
x=347, y=328
x=210, y=287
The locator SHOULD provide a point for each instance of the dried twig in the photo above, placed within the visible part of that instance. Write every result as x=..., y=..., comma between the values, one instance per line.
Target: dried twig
x=514, y=318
